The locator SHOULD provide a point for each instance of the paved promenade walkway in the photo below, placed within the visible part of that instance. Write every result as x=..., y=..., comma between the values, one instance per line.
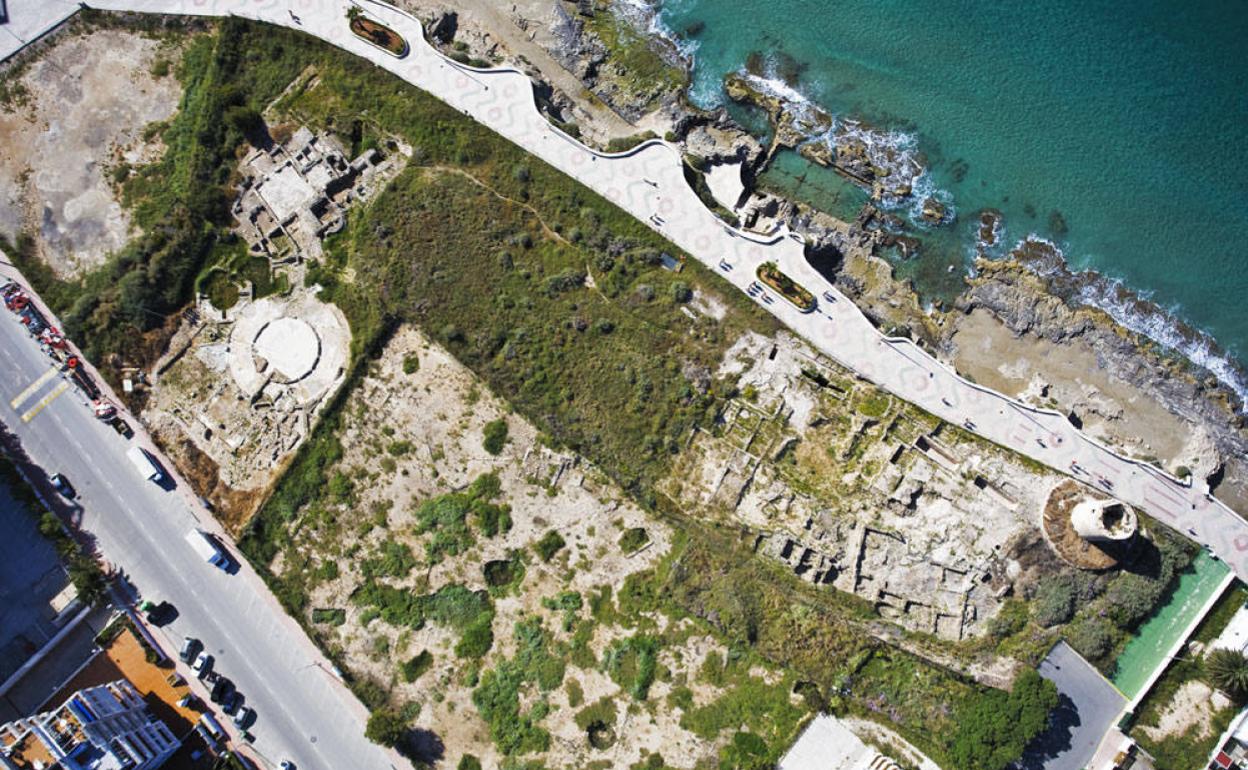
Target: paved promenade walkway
x=648, y=183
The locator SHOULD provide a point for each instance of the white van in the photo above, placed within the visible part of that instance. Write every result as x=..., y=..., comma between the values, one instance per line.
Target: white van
x=146, y=466
x=207, y=548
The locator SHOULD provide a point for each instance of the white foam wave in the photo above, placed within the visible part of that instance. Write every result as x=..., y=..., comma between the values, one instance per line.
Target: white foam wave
x=646, y=16
x=774, y=86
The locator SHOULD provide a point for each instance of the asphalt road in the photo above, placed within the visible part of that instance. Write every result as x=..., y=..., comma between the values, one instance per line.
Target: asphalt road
x=303, y=713
x=1089, y=706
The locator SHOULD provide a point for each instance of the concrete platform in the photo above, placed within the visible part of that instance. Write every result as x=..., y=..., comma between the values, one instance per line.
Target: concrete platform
x=22, y=22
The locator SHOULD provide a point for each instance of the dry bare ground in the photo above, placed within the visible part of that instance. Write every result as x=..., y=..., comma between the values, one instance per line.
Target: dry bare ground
x=74, y=128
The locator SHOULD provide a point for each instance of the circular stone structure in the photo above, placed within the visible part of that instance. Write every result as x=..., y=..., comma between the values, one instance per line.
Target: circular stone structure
x=289, y=345
x=1062, y=536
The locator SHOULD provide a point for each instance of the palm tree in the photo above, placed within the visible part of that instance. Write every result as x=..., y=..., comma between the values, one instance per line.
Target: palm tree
x=1228, y=671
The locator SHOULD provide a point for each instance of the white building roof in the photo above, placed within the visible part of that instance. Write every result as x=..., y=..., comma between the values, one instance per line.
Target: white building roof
x=1235, y=635
x=826, y=744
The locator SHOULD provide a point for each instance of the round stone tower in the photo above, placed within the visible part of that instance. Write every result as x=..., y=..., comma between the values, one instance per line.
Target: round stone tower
x=1103, y=521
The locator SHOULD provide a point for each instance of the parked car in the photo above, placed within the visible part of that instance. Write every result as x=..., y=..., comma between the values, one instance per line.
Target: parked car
x=202, y=665
x=159, y=614
x=287, y=765
x=190, y=646
x=245, y=717
x=221, y=690
x=232, y=701
x=63, y=486
x=122, y=427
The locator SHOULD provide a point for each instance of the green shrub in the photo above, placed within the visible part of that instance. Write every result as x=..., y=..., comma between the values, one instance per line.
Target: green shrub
x=468, y=762
x=471, y=613
x=624, y=143
x=477, y=639
x=576, y=696
x=549, y=545
x=331, y=615
x=386, y=727
x=1009, y=620
x=1091, y=637
x=993, y=730
x=747, y=751
x=1228, y=671
x=411, y=363
x=633, y=539
x=446, y=516
x=631, y=663
x=497, y=697
x=416, y=665
x=393, y=560
x=1055, y=601
x=603, y=710
x=328, y=570
x=495, y=436
x=399, y=448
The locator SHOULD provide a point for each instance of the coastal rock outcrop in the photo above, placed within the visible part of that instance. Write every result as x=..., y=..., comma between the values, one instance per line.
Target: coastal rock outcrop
x=720, y=144
x=1028, y=302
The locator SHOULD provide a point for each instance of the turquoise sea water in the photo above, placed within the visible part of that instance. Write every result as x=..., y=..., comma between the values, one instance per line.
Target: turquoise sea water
x=1130, y=120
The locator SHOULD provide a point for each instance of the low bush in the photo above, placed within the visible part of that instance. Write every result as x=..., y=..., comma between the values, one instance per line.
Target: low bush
x=1055, y=601
x=330, y=615
x=446, y=517
x=633, y=539
x=631, y=663
x=393, y=560
x=418, y=664
x=497, y=698
x=387, y=727
x=549, y=545
x=494, y=436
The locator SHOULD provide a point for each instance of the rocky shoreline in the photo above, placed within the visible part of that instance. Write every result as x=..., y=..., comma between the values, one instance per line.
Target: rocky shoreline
x=1029, y=293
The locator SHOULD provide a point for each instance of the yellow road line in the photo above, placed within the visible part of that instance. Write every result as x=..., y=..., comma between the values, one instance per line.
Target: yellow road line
x=36, y=385
x=37, y=408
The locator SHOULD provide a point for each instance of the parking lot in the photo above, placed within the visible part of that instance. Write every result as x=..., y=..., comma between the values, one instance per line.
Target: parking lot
x=1089, y=706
